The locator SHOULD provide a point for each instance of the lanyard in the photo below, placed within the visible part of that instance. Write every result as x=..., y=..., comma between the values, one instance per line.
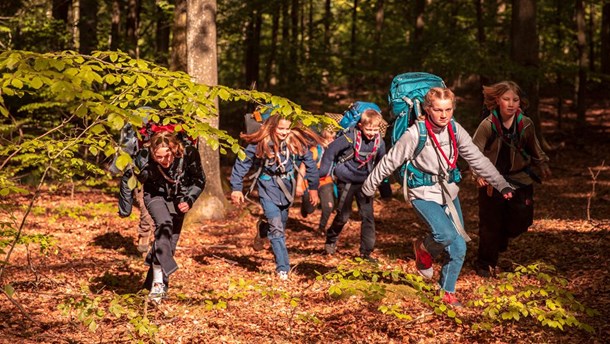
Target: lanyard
x=452, y=165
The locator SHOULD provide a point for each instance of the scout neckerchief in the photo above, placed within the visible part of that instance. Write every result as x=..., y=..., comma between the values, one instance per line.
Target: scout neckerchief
x=452, y=164
x=358, y=144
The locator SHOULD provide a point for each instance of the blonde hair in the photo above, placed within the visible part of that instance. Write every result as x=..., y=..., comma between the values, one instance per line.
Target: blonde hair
x=370, y=116
x=298, y=140
x=495, y=91
x=167, y=139
x=438, y=93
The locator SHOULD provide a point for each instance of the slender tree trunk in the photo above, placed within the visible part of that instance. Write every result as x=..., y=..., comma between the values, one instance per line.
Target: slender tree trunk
x=524, y=51
x=178, y=59
x=115, y=24
x=353, y=39
x=379, y=18
x=60, y=10
x=481, y=39
x=328, y=17
x=203, y=67
x=558, y=22
x=75, y=26
x=605, y=38
x=582, y=63
x=285, y=46
x=418, y=30
x=162, y=36
x=87, y=25
x=275, y=27
x=132, y=26
x=590, y=31
x=252, y=43
x=294, y=39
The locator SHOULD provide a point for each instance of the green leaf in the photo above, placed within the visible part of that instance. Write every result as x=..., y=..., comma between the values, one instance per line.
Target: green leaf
x=16, y=83
x=36, y=83
x=9, y=290
x=141, y=81
x=122, y=161
x=132, y=182
x=97, y=129
x=223, y=94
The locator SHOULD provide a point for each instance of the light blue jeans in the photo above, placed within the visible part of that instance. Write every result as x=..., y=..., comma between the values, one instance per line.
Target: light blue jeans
x=277, y=216
x=443, y=236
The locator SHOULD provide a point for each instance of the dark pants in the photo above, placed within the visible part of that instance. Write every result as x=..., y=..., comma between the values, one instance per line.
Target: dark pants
x=168, y=224
x=500, y=220
x=326, y=193
x=365, y=207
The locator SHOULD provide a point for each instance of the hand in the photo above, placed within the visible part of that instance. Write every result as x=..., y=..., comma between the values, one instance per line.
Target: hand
x=314, y=199
x=299, y=192
x=184, y=207
x=545, y=171
x=237, y=197
x=481, y=182
x=507, y=193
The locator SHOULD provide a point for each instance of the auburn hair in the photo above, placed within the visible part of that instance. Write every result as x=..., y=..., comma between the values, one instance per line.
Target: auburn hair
x=166, y=139
x=268, y=146
x=495, y=91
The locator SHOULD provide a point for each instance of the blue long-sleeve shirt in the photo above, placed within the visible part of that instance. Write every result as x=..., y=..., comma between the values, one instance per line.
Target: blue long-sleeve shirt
x=350, y=171
x=268, y=187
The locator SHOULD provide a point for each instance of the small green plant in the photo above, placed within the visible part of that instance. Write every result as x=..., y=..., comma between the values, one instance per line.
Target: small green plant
x=531, y=292
x=90, y=311
x=359, y=277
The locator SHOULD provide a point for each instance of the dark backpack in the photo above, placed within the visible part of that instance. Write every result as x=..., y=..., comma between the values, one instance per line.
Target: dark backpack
x=407, y=92
x=254, y=120
x=352, y=115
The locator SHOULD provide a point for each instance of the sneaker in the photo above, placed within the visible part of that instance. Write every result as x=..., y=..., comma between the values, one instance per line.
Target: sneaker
x=157, y=292
x=423, y=260
x=262, y=229
x=283, y=275
x=451, y=300
x=330, y=248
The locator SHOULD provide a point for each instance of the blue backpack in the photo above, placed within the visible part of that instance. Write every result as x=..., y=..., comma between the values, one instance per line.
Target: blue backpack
x=351, y=116
x=407, y=92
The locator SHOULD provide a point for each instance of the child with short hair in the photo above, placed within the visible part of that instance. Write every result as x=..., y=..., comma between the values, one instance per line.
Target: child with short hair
x=278, y=145
x=354, y=155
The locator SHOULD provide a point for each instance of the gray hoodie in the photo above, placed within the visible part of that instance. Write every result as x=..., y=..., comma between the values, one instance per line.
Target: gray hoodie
x=430, y=161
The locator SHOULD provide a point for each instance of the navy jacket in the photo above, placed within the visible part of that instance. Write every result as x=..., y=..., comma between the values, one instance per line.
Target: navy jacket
x=350, y=171
x=266, y=182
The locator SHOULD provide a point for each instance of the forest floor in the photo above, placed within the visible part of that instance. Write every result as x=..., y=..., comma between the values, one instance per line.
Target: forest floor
x=224, y=292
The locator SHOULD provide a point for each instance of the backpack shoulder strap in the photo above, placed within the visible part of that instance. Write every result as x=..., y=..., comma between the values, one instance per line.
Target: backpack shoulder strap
x=423, y=137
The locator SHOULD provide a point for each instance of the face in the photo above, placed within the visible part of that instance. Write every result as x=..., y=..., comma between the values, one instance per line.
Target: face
x=441, y=111
x=283, y=129
x=508, y=103
x=164, y=156
x=369, y=130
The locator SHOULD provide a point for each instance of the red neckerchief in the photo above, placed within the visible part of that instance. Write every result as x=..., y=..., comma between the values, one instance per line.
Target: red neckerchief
x=357, y=145
x=452, y=165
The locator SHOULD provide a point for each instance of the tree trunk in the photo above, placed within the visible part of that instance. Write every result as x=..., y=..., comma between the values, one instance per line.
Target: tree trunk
x=353, y=38
x=253, y=43
x=379, y=18
x=132, y=26
x=115, y=24
x=605, y=38
x=418, y=30
x=590, y=31
x=275, y=27
x=283, y=60
x=161, y=36
x=87, y=25
x=481, y=39
x=524, y=51
x=294, y=39
x=60, y=10
x=178, y=61
x=203, y=67
x=582, y=64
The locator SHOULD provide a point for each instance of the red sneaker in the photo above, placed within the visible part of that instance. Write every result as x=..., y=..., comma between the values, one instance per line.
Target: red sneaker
x=451, y=300
x=423, y=260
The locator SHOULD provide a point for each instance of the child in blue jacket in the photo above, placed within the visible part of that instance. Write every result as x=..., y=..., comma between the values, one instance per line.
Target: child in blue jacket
x=353, y=156
x=278, y=146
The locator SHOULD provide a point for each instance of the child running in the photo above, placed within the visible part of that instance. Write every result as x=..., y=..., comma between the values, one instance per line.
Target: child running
x=278, y=146
x=434, y=191
x=354, y=154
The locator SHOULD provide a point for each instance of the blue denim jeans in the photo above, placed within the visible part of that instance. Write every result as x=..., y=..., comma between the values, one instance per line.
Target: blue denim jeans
x=443, y=237
x=277, y=216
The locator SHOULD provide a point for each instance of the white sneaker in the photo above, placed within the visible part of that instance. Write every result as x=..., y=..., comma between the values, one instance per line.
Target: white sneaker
x=283, y=275
x=157, y=292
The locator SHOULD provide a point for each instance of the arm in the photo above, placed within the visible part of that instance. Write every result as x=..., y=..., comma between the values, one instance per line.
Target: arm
x=481, y=135
x=332, y=152
x=313, y=177
x=396, y=156
x=125, y=194
x=539, y=157
x=194, y=177
x=238, y=173
x=479, y=162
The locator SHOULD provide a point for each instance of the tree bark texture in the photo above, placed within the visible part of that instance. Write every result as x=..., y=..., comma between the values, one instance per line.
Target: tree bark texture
x=132, y=26
x=162, y=32
x=87, y=26
x=252, y=44
x=581, y=43
x=115, y=24
x=605, y=41
x=178, y=60
x=524, y=52
x=203, y=67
